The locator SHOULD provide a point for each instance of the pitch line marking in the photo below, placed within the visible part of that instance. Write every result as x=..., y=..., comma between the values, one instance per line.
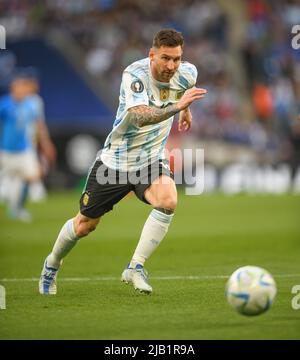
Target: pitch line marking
x=114, y=278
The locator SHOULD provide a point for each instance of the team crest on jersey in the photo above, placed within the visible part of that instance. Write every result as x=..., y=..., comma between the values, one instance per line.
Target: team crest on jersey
x=164, y=94
x=179, y=94
x=85, y=199
x=137, y=86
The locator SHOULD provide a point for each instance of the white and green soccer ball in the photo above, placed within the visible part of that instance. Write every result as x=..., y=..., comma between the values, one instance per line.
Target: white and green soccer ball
x=251, y=290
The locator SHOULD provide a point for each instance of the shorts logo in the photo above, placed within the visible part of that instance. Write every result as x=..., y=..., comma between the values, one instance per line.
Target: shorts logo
x=85, y=199
x=137, y=86
x=164, y=94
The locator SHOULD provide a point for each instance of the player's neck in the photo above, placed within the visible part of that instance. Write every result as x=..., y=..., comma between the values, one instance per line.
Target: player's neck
x=155, y=75
x=17, y=98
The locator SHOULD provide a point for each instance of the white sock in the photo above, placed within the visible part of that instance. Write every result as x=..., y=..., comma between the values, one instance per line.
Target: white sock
x=155, y=228
x=66, y=240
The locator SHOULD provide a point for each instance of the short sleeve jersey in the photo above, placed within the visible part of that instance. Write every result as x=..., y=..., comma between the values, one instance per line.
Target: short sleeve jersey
x=129, y=147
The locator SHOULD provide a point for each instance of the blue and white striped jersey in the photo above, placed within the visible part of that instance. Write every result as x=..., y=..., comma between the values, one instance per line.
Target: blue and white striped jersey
x=129, y=147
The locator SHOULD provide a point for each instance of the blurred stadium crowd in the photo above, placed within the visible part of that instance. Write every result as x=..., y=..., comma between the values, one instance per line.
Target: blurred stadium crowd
x=253, y=83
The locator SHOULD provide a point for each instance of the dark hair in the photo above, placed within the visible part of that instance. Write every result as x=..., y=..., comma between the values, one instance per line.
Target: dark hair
x=168, y=37
x=29, y=73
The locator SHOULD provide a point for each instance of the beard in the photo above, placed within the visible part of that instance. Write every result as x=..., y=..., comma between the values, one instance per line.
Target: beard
x=167, y=75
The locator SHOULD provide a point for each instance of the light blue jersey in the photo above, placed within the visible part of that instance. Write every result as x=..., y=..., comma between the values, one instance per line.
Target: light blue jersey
x=18, y=122
x=37, y=104
x=129, y=147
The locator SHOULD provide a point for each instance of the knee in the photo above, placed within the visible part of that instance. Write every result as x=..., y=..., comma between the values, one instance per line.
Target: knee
x=169, y=202
x=84, y=226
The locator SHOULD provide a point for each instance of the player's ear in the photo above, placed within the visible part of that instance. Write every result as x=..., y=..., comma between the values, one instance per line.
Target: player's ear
x=151, y=53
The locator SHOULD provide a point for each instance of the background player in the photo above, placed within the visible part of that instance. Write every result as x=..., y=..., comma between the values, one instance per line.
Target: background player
x=43, y=145
x=22, y=126
x=153, y=90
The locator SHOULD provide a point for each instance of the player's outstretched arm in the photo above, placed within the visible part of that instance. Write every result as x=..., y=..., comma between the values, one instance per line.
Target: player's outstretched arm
x=148, y=115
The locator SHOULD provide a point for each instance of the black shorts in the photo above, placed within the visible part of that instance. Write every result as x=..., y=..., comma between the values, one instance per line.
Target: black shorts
x=106, y=187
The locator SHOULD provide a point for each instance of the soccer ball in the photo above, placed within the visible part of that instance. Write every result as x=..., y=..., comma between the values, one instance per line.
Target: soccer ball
x=251, y=290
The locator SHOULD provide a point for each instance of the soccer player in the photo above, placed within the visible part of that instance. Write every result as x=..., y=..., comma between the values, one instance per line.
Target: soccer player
x=153, y=90
x=22, y=124
x=43, y=145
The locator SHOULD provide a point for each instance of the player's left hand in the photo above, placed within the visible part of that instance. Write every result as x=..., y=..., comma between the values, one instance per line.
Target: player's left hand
x=185, y=120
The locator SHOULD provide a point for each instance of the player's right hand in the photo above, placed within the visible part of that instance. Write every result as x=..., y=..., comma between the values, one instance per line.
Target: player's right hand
x=190, y=96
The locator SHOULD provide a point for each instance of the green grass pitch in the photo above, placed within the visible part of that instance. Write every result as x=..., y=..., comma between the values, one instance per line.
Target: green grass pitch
x=211, y=236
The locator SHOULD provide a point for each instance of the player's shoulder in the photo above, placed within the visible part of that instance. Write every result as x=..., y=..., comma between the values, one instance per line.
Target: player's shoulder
x=5, y=100
x=35, y=104
x=35, y=100
x=138, y=69
x=35, y=97
x=187, y=75
x=188, y=69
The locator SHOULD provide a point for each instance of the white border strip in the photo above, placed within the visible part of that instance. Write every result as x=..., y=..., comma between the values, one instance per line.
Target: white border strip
x=113, y=278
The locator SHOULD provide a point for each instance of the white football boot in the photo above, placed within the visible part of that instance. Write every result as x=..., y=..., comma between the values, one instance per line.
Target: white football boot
x=47, y=283
x=138, y=277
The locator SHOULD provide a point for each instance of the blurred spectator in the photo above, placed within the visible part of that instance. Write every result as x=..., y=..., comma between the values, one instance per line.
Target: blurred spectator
x=7, y=67
x=113, y=33
x=295, y=138
x=262, y=101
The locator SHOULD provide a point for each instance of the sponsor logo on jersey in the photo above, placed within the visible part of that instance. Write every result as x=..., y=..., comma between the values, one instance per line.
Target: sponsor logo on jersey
x=85, y=199
x=164, y=94
x=137, y=86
